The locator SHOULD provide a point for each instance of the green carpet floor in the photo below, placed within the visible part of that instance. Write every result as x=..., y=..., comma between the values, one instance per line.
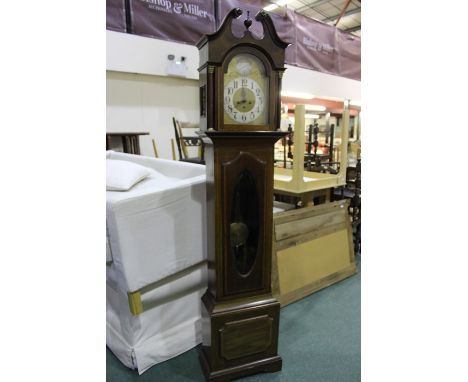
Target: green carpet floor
x=319, y=341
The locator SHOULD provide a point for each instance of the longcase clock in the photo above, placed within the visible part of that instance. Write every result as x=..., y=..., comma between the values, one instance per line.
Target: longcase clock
x=240, y=83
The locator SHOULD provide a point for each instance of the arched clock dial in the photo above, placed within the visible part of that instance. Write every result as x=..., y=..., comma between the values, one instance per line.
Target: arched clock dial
x=244, y=100
x=246, y=91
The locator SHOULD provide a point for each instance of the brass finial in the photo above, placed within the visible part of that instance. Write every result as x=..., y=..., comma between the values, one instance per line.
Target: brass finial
x=248, y=21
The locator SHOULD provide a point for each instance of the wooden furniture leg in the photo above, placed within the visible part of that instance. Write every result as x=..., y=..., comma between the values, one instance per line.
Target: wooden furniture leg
x=173, y=149
x=154, y=148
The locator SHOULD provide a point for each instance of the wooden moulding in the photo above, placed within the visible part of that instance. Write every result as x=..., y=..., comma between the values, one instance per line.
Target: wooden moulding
x=312, y=249
x=271, y=365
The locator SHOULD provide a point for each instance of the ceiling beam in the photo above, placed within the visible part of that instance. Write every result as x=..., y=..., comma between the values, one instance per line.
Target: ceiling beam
x=342, y=12
x=349, y=13
x=312, y=5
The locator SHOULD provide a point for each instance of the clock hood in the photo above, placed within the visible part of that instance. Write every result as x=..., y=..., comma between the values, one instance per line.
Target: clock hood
x=212, y=52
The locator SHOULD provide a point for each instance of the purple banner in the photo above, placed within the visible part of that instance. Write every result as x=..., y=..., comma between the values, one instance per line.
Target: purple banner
x=316, y=45
x=238, y=28
x=349, y=56
x=115, y=15
x=283, y=19
x=180, y=21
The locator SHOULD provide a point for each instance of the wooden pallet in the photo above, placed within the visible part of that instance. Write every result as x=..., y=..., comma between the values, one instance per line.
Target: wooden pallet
x=312, y=249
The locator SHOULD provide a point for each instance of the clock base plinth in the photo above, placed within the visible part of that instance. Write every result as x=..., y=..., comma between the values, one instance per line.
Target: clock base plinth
x=267, y=365
x=240, y=337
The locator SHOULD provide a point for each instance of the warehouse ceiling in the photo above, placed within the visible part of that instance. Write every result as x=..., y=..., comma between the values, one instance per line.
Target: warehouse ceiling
x=344, y=14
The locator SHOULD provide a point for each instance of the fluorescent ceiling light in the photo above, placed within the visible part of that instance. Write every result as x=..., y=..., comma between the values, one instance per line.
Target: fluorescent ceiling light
x=312, y=116
x=332, y=98
x=315, y=107
x=286, y=93
x=270, y=7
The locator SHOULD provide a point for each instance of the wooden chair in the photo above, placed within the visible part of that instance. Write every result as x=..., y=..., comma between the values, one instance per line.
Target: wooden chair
x=183, y=142
x=352, y=191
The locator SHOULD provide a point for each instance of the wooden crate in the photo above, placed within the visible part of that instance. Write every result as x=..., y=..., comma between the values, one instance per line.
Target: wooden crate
x=312, y=249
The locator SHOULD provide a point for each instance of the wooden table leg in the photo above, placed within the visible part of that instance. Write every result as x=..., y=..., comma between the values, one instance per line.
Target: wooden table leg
x=137, y=145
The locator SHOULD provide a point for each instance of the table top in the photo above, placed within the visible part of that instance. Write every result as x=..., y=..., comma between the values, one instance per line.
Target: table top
x=130, y=133
x=316, y=155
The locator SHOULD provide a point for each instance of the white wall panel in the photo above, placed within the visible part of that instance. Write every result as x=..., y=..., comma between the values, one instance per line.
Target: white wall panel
x=138, y=102
x=141, y=97
x=320, y=84
x=135, y=54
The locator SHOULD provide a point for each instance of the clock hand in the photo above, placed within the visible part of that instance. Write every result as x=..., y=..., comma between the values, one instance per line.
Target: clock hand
x=244, y=100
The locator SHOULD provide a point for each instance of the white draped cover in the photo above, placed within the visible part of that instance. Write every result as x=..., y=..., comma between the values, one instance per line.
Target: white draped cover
x=156, y=237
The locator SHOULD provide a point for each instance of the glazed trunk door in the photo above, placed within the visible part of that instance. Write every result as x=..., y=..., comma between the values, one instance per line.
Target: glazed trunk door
x=244, y=230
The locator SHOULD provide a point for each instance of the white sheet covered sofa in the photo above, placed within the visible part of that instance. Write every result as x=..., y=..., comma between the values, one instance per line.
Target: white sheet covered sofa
x=156, y=265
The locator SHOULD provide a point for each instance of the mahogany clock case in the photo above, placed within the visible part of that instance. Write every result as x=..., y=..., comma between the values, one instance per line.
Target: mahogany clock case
x=240, y=317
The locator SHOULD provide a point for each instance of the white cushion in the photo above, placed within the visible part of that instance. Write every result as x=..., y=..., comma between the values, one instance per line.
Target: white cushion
x=122, y=175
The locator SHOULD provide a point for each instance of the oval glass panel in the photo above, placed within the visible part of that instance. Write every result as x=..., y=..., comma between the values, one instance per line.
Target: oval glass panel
x=244, y=223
